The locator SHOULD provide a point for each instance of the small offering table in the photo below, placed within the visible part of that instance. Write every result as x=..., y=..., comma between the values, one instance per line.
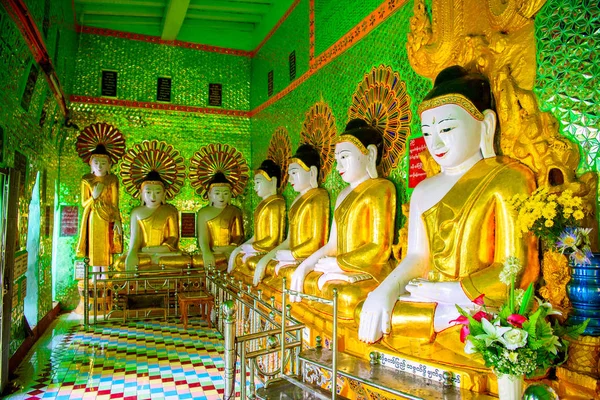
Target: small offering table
x=203, y=300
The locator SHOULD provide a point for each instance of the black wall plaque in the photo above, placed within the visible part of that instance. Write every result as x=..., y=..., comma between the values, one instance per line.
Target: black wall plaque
x=20, y=164
x=188, y=224
x=270, y=83
x=109, y=83
x=292, y=59
x=163, y=89
x=215, y=94
x=30, y=86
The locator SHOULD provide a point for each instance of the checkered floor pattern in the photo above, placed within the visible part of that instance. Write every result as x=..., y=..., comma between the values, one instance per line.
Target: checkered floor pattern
x=132, y=360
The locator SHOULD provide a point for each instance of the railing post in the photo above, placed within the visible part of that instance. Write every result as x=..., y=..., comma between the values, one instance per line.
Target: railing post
x=86, y=295
x=229, y=356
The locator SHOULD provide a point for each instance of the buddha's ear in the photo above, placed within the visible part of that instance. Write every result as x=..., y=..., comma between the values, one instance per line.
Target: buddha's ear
x=274, y=181
x=488, y=130
x=314, y=174
x=372, y=161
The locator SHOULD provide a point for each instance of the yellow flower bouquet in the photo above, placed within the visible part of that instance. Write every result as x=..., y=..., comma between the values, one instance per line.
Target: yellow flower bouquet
x=555, y=219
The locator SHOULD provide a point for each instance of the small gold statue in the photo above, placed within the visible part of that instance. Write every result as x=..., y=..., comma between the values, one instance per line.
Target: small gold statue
x=269, y=222
x=308, y=220
x=155, y=172
x=357, y=256
x=100, y=234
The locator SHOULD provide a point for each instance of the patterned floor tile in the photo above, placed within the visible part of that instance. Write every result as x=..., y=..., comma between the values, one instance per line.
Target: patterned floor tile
x=125, y=360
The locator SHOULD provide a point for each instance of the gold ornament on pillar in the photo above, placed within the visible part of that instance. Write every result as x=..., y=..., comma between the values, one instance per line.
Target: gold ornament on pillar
x=319, y=131
x=156, y=156
x=214, y=158
x=497, y=39
x=382, y=101
x=280, y=151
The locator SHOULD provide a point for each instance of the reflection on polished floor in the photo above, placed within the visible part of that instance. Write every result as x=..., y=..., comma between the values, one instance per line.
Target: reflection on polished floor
x=132, y=360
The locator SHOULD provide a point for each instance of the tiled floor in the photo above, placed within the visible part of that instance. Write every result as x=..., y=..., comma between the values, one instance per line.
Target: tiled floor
x=133, y=360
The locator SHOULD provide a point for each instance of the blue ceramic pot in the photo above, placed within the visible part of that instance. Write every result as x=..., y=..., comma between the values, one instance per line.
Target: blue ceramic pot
x=584, y=292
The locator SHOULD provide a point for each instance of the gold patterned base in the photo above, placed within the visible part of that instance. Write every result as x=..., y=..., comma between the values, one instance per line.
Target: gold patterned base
x=579, y=378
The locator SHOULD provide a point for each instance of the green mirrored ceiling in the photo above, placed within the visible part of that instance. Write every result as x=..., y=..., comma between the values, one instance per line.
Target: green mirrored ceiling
x=235, y=24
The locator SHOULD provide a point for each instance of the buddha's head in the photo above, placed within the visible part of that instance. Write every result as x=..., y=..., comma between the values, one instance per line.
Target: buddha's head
x=152, y=190
x=304, y=168
x=267, y=179
x=458, y=118
x=219, y=191
x=358, y=151
x=100, y=161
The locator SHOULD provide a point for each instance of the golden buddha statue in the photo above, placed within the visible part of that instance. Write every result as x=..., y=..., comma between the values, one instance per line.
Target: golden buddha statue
x=218, y=172
x=154, y=171
x=269, y=223
x=357, y=256
x=460, y=230
x=100, y=234
x=220, y=225
x=308, y=220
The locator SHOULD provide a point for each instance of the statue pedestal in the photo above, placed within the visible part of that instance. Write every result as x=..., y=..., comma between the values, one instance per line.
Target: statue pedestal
x=579, y=378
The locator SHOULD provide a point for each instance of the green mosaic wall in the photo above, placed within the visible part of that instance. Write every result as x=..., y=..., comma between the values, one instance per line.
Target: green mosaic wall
x=139, y=64
x=185, y=131
x=292, y=35
x=33, y=131
x=335, y=83
x=333, y=19
x=568, y=78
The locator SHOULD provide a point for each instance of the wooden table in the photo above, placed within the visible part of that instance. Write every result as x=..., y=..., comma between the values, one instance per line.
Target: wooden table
x=203, y=300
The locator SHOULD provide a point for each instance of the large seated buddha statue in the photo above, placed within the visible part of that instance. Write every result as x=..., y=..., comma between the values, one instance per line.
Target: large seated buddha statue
x=218, y=172
x=461, y=229
x=269, y=223
x=308, y=221
x=356, y=257
x=220, y=225
x=154, y=171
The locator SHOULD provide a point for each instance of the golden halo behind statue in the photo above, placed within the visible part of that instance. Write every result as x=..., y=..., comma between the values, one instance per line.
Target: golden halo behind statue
x=153, y=156
x=319, y=131
x=214, y=158
x=100, y=134
x=280, y=151
x=382, y=101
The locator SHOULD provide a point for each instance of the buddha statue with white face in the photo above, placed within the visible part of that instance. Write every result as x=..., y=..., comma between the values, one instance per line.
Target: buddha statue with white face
x=155, y=172
x=101, y=230
x=461, y=229
x=356, y=257
x=154, y=226
x=269, y=223
x=220, y=225
x=308, y=220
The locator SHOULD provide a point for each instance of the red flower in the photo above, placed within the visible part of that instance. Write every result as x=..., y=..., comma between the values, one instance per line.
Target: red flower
x=480, y=315
x=516, y=320
x=461, y=320
x=479, y=299
x=464, y=332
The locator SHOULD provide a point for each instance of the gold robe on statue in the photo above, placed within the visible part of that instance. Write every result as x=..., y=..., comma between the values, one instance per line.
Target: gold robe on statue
x=269, y=231
x=225, y=232
x=471, y=232
x=308, y=232
x=365, y=232
x=97, y=240
x=161, y=228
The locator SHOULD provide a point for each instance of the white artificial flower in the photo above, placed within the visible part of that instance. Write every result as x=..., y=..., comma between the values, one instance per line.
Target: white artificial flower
x=492, y=333
x=470, y=348
x=512, y=267
x=514, y=338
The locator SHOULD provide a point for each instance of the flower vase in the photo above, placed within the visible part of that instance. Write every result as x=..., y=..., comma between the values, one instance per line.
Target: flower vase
x=510, y=387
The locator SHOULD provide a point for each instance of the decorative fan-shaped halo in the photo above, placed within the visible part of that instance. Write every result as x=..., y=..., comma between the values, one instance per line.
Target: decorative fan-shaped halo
x=280, y=151
x=381, y=100
x=214, y=158
x=319, y=131
x=153, y=156
x=100, y=133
